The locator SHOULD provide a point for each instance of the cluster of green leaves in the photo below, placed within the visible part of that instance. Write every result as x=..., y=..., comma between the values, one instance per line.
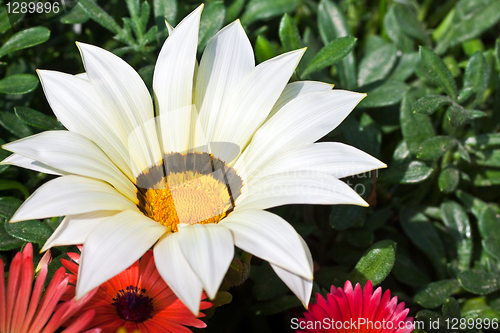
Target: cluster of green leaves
x=432, y=113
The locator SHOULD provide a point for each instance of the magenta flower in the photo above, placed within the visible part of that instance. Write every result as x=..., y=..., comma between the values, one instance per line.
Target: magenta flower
x=356, y=310
x=21, y=310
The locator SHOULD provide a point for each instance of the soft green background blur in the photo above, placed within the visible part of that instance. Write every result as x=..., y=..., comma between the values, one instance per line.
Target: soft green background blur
x=431, y=71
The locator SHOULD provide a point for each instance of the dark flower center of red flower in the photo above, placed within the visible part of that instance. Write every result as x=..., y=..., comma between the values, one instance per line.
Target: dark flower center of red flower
x=132, y=305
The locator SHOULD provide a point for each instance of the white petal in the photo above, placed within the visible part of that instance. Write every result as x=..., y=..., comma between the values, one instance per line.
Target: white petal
x=173, y=75
x=209, y=249
x=254, y=98
x=176, y=272
x=271, y=238
x=300, y=122
x=301, y=287
x=226, y=60
x=301, y=187
x=73, y=153
x=333, y=158
x=74, y=229
x=127, y=102
x=78, y=107
x=169, y=28
x=31, y=164
x=114, y=246
x=83, y=76
x=68, y=195
x=173, y=84
x=296, y=89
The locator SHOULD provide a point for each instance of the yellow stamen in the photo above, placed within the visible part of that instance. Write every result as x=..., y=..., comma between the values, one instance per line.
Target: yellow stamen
x=189, y=198
x=191, y=189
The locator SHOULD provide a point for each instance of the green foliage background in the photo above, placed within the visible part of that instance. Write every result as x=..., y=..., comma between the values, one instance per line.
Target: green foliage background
x=431, y=70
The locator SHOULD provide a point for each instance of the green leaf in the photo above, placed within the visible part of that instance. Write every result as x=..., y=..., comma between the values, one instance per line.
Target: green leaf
x=429, y=104
x=14, y=125
x=36, y=119
x=330, y=54
x=24, y=39
x=74, y=16
x=435, y=293
x=491, y=158
x=212, y=19
x=144, y=18
x=395, y=33
x=7, y=184
x=409, y=23
x=364, y=135
x=278, y=305
x=431, y=321
x=29, y=231
x=479, y=282
x=451, y=308
x=483, y=140
x=478, y=307
x=472, y=46
x=406, y=67
x=435, y=147
x=3, y=155
x=448, y=179
x=389, y=93
x=489, y=227
x=165, y=10
x=414, y=135
x=345, y=216
x=7, y=242
x=437, y=71
x=377, y=64
x=422, y=233
x=485, y=177
x=8, y=207
x=264, y=9
x=98, y=14
x=455, y=218
x=471, y=26
x=458, y=116
x=289, y=34
x=4, y=19
x=332, y=25
x=410, y=172
x=476, y=78
x=222, y=298
x=497, y=53
x=234, y=9
x=405, y=271
x=267, y=285
x=18, y=84
x=134, y=8
x=475, y=205
x=263, y=49
x=376, y=264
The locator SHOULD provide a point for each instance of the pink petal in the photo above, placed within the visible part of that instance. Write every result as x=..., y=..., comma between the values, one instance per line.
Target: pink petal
x=2, y=298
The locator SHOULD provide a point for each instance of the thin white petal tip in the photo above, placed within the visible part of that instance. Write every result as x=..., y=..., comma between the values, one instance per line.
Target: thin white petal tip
x=15, y=219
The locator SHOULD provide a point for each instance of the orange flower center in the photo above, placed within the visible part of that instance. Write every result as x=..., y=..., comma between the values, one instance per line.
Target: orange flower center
x=192, y=188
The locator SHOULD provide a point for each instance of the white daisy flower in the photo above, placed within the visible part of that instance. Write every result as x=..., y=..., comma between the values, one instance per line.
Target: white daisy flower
x=228, y=140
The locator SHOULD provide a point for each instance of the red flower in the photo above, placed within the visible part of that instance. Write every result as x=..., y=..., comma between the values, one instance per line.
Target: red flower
x=136, y=299
x=347, y=310
x=20, y=308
